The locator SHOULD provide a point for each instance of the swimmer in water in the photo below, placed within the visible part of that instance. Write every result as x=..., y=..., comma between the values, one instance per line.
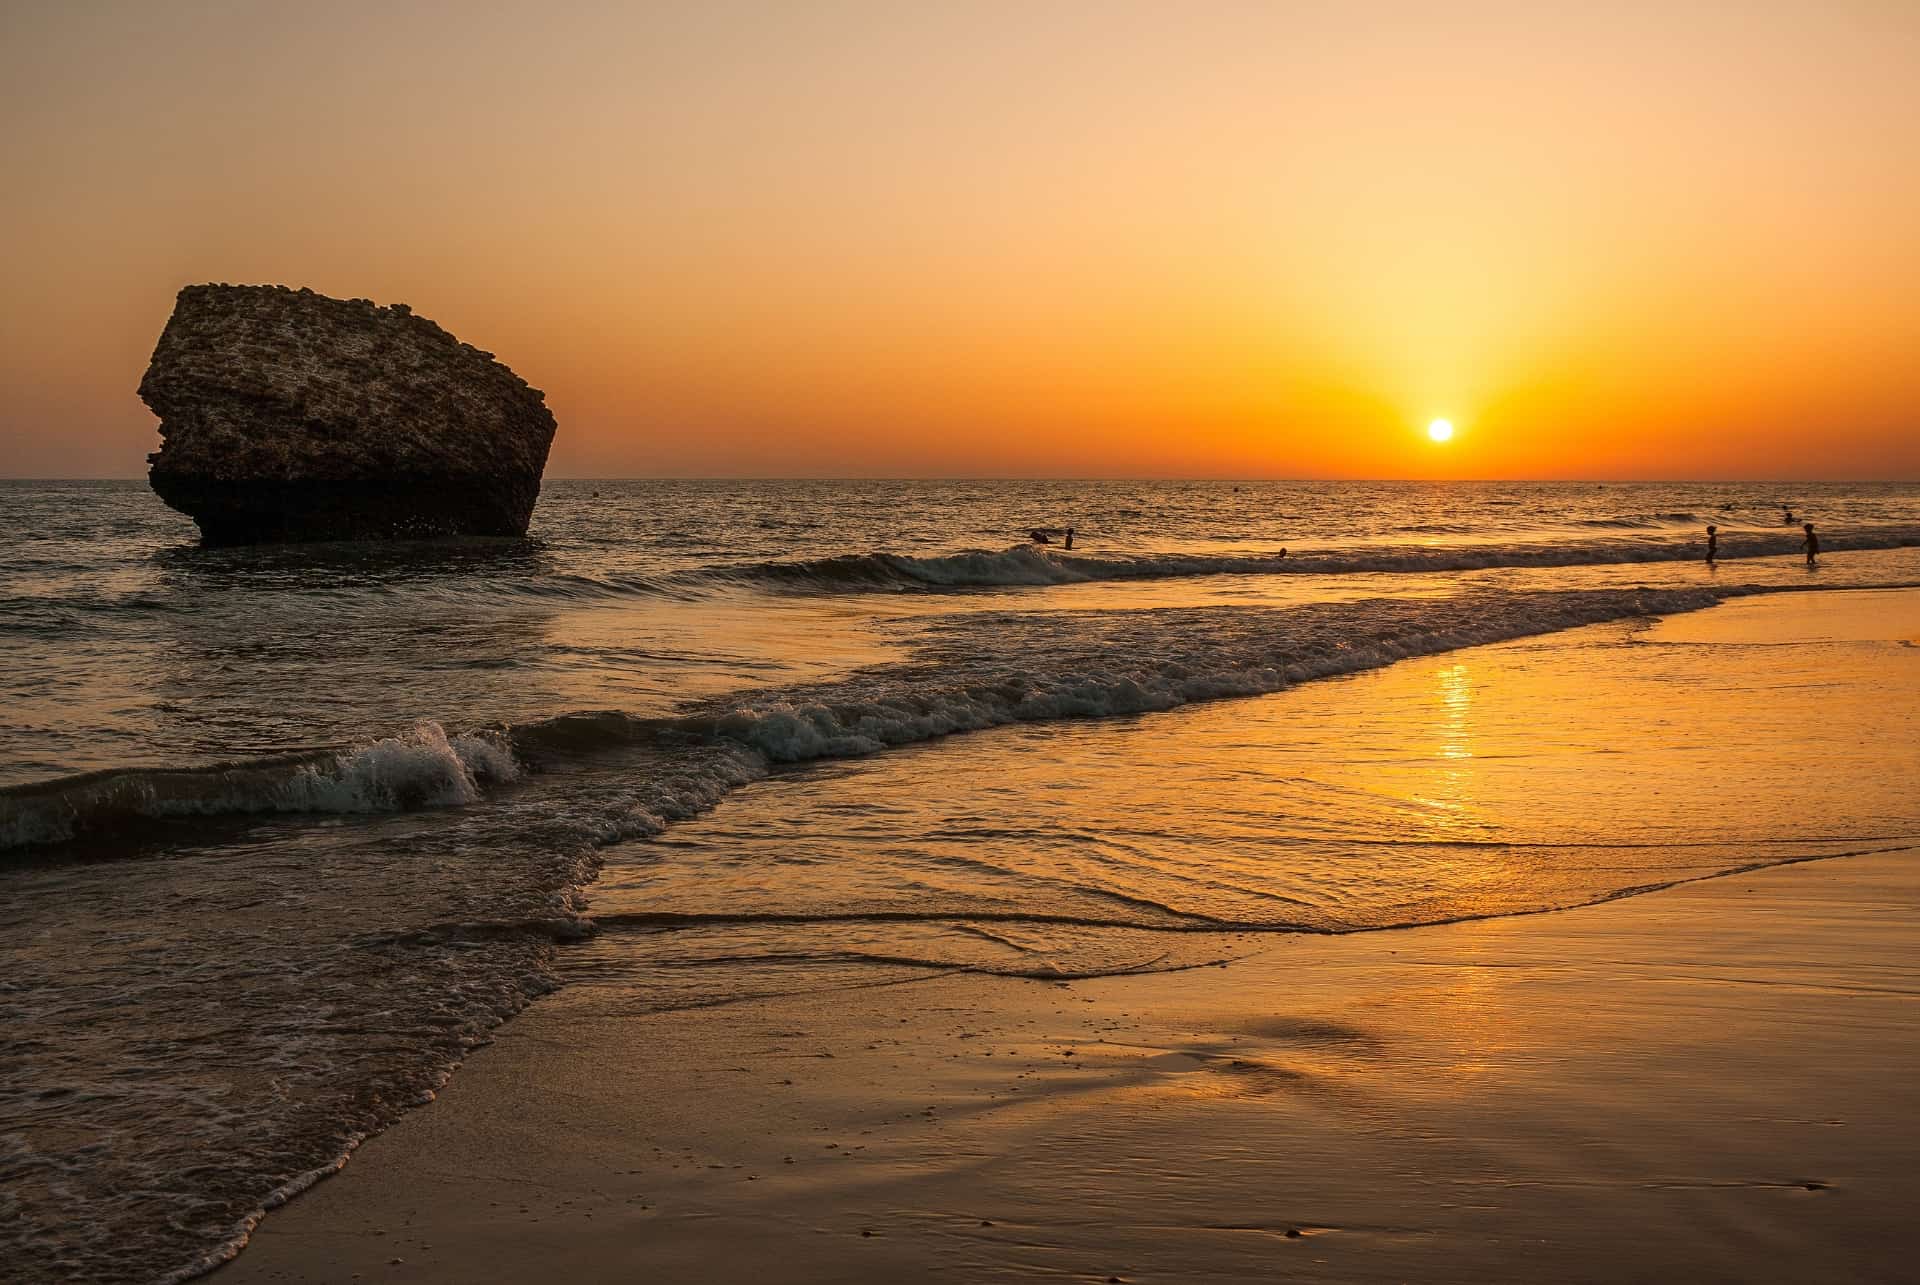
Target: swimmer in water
x=1039, y=536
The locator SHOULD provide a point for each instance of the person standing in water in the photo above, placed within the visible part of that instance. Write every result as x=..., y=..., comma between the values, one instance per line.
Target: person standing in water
x=1069, y=537
x=1813, y=545
x=1713, y=543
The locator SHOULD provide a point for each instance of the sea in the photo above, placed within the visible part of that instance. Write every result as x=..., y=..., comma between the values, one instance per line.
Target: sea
x=286, y=832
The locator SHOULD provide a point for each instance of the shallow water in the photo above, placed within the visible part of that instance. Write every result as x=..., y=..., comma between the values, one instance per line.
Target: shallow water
x=122, y=644
x=287, y=830
x=1445, y=787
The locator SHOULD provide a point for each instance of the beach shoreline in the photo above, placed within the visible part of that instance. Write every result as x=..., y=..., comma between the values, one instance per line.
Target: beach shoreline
x=1703, y=1082
x=1146, y=999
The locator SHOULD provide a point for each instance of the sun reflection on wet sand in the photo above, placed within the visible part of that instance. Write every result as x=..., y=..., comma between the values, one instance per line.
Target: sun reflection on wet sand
x=1450, y=789
x=1471, y=785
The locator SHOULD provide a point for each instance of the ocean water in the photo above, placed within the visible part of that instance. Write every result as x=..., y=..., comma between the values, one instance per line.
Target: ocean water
x=284, y=832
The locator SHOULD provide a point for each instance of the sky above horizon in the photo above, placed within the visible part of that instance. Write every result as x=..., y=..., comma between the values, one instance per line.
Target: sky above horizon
x=867, y=239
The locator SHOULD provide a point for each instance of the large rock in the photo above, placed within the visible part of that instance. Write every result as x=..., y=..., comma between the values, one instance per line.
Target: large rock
x=287, y=415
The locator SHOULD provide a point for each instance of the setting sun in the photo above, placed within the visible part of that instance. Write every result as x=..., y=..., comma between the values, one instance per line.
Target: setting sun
x=1440, y=430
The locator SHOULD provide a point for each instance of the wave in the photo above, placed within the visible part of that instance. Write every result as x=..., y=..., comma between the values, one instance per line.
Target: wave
x=1628, y=522
x=1245, y=654
x=1652, y=538
x=1157, y=921
x=969, y=679
x=1042, y=565
x=420, y=768
x=1647, y=521
x=1167, y=919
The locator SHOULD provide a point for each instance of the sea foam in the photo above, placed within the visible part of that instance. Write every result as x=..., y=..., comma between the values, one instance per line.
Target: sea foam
x=1043, y=565
x=423, y=767
x=975, y=671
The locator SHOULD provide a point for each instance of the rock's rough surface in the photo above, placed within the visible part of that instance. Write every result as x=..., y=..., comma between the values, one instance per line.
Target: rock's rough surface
x=288, y=415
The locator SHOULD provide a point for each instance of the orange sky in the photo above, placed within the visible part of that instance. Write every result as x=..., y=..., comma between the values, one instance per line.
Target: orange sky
x=1634, y=240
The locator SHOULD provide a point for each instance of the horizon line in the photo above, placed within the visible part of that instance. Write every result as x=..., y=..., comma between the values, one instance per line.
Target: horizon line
x=1137, y=477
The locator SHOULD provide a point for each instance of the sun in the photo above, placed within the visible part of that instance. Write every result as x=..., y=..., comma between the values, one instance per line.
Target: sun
x=1440, y=430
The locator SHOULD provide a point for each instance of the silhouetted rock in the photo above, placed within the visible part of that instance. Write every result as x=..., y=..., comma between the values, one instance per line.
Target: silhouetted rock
x=287, y=415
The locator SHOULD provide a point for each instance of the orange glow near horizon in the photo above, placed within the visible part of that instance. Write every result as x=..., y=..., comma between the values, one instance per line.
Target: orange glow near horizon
x=1092, y=240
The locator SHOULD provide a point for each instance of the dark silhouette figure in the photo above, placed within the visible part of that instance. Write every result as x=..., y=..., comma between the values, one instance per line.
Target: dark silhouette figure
x=1040, y=536
x=1787, y=510
x=1069, y=537
x=1713, y=543
x=1813, y=544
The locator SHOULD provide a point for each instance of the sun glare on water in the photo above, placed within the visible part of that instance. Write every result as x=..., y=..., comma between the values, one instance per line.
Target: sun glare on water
x=1440, y=430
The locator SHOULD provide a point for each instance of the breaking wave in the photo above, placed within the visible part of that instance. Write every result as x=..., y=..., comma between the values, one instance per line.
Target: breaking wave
x=421, y=768
x=1043, y=565
x=1656, y=538
x=967, y=679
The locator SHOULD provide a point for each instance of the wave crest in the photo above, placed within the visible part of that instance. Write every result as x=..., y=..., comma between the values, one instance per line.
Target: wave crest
x=1042, y=565
x=969, y=678
x=423, y=767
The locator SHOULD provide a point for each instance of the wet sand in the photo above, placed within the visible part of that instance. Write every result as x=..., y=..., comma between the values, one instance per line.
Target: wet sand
x=1712, y=1082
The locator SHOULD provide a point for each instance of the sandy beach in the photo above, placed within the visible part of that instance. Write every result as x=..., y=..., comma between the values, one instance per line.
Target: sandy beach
x=1708, y=1082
